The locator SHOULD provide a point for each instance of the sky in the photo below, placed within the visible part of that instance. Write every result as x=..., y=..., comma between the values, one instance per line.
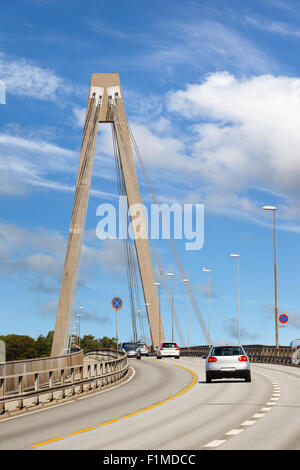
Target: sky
x=212, y=94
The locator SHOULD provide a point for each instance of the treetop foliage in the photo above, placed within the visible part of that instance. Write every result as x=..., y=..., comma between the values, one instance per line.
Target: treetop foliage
x=20, y=347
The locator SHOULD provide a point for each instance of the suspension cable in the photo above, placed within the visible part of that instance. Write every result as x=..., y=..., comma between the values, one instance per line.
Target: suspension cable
x=174, y=251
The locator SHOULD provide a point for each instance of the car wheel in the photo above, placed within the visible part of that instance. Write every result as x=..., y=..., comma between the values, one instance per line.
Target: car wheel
x=248, y=377
x=177, y=357
x=208, y=379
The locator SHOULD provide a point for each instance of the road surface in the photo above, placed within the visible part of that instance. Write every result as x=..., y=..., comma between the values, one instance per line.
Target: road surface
x=168, y=405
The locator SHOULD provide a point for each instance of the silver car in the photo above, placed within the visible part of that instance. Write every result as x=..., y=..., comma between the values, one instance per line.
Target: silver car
x=227, y=361
x=144, y=349
x=168, y=350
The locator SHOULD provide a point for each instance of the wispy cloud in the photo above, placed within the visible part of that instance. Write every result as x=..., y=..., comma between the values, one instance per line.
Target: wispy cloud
x=98, y=25
x=231, y=328
x=294, y=317
x=25, y=78
x=28, y=163
x=209, y=43
x=275, y=27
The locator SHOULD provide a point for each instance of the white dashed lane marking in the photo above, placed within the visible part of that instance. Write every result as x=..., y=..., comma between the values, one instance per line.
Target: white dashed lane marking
x=234, y=432
x=215, y=443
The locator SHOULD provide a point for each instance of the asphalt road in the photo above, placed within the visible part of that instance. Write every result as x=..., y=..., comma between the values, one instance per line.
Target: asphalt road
x=167, y=405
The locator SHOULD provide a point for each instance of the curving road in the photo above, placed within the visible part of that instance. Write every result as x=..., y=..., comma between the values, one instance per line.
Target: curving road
x=167, y=405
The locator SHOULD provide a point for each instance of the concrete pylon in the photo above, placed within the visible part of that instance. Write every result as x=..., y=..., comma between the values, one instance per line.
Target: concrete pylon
x=105, y=104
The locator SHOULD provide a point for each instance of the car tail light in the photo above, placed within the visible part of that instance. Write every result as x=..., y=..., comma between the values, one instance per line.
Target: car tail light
x=212, y=359
x=177, y=348
x=147, y=347
x=243, y=359
x=161, y=348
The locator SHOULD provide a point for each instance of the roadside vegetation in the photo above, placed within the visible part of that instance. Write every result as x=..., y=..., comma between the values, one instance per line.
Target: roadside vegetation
x=20, y=347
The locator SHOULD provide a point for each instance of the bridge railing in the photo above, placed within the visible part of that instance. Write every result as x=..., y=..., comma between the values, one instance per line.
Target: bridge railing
x=259, y=353
x=76, y=374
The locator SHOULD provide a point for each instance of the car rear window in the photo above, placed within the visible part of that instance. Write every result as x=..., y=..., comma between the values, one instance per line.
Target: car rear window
x=129, y=345
x=227, y=351
x=169, y=345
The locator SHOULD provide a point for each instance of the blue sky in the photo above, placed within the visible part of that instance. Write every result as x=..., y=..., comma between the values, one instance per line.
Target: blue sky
x=212, y=93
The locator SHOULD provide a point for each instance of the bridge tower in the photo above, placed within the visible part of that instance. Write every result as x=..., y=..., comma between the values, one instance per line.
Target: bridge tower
x=105, y=104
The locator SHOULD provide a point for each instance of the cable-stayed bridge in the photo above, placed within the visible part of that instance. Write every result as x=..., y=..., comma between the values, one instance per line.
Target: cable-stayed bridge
x=109, y=401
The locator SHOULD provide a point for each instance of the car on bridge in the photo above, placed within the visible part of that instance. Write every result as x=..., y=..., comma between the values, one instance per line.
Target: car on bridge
x=131, y=349
x=227, y=361
x=144, y=349
x=168, y=350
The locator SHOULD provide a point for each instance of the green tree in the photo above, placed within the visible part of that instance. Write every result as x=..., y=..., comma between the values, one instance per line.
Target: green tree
x=107, y=343
x=89, y=343
x=19, y=347
x=43, y=344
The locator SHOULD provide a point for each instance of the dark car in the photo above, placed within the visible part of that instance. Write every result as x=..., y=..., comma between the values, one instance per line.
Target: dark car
x=132, y=350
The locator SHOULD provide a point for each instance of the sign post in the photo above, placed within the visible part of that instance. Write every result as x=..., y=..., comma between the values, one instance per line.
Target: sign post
x=117, y=304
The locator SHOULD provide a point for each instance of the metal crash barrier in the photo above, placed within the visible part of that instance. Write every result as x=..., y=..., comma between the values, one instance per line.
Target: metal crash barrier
x=284, y=355
x=24, y=383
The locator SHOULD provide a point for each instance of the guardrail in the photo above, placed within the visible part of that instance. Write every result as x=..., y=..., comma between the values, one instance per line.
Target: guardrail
x=102, y=369
x=12, y=370
x=259, y=353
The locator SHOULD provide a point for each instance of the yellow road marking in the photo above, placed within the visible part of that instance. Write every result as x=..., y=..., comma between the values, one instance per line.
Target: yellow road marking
x=47, y=442
x=131, y=414
x=109, y=422
x=82, y=430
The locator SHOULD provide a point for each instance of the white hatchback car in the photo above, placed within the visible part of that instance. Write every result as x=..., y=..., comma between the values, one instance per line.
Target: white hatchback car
x=227, y=361
x=168, y=350
x=144, y=349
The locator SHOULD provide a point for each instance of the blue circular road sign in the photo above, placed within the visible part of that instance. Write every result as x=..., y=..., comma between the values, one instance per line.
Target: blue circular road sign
x=283, y=318
x=117, y=303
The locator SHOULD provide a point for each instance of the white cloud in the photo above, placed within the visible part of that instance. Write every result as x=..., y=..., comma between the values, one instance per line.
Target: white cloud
x=274, y=27
x=27, y=163
x=201, y=45
x=245, y=135
x=40, y=255
x=25, y=78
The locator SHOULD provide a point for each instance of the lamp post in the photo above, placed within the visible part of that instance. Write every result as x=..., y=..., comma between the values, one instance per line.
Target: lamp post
x=147, y=305
x=186, y=282
x=78, y=315
x=205, y=270
x=233, y=255
x=158, y=285
x=172, y=277
x=272, y=208
x=141, y=325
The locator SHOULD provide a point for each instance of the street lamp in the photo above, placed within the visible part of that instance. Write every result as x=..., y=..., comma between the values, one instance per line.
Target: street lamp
x=147, y=305
x=78, y=315
x=158, y=285
x=186, y=282
x=273, y=208
x=205, y=270
x=172, y=277
x=141, y=325
x=233, y=255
